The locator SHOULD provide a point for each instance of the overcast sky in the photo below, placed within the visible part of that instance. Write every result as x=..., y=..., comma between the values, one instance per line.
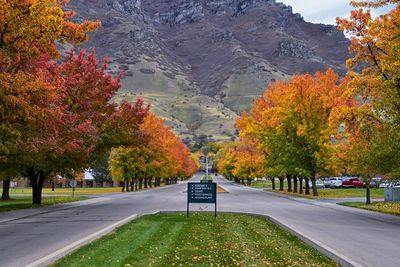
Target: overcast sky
x=322, y=11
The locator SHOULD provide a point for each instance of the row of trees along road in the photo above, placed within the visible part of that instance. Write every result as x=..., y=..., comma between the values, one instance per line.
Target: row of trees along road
x=57, y=116
x=161, y=156
x=321, y=125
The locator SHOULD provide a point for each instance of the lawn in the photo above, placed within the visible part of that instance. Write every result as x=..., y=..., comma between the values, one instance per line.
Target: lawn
x=339, y=193
x=267, y=184
x=174, y=240
x=17, y=203
x=384, y=207
x=79, y=191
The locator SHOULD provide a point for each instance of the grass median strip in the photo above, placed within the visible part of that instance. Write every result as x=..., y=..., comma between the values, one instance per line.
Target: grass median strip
x=384, y=207
x=174, y=240
x=17, y=203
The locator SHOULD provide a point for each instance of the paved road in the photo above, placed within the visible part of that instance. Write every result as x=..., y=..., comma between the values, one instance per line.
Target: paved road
x=365, y=238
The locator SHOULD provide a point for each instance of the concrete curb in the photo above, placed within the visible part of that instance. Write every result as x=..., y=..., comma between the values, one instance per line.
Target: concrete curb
x=53, y=257
x=323, y=249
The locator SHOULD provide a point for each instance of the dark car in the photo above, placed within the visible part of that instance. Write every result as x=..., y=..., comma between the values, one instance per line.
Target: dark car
x=353, y=183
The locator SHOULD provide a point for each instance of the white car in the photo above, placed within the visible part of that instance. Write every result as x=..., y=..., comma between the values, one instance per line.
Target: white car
x=336, y=182
x=318, y=184
x=384, y=184
x=327, y=183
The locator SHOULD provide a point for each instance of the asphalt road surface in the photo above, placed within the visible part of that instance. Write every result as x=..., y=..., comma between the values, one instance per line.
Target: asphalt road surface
x=364, y=238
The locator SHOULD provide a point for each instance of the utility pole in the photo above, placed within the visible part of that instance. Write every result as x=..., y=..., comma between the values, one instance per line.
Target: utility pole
x=207, y=164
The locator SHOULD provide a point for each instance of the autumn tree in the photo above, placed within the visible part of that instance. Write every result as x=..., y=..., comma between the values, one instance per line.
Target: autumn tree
x=170, y=158
x=249, y=162
x=160, y=155
x=291, y=121
x=225, y=159
x=28, y=31
x=373, y=144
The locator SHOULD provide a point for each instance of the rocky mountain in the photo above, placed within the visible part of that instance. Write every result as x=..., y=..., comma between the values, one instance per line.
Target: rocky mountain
x=202, y=62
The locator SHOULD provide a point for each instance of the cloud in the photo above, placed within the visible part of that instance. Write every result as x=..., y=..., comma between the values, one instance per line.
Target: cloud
x=324, y=11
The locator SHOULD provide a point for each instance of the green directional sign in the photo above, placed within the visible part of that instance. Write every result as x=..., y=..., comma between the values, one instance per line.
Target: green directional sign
x=202, y=193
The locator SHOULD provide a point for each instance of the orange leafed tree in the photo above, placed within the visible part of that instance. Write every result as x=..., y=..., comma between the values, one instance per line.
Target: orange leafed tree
x=291, y=121
x=171, y=158
x=250, y=162
x=373, y=128
x=160, y=155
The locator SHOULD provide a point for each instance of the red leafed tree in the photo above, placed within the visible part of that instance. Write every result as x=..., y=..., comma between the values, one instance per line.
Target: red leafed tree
x=82, y=124
x=29, y=92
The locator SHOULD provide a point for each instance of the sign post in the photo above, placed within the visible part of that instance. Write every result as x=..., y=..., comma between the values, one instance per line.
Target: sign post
x=202, y=193
x=73, y=184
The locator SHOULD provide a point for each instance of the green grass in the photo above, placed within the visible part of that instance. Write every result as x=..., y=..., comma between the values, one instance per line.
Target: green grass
x=205, y=178
x=267, y=184
x=384, y=207
x=338, y=193
x=17, y=203
x=174, y=240
x=78, y=191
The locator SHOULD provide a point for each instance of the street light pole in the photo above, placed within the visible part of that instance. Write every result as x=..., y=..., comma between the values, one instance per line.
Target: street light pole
x=207, y=167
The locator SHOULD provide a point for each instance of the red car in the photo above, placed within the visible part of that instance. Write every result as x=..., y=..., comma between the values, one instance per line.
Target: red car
x=353, y=182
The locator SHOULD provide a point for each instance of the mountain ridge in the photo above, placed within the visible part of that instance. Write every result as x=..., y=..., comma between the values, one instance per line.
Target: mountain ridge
x=201, y=63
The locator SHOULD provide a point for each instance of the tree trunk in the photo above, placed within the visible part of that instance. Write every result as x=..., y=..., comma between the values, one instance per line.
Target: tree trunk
x=52, y=185
x=136, y=185
x=301, y=185
x=6, y=190
x=127, y=184
x=280, y=183
x=314, y=187
x=368, y=196
x=37, y=179
x=368, y=191
x=295, y=184
x=273, y=183
x=140, y=183
x=145, y=182
x=289, y=183
x=132, y=185
x=307, y=186
x=102, y=184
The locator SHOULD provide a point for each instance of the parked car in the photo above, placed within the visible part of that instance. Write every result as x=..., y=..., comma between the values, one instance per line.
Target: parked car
x=395, y=184
x=375, y=182
x=384, y=184
x=336, y=182
x=353, y=182
x=327, y=183
x=318, y=183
